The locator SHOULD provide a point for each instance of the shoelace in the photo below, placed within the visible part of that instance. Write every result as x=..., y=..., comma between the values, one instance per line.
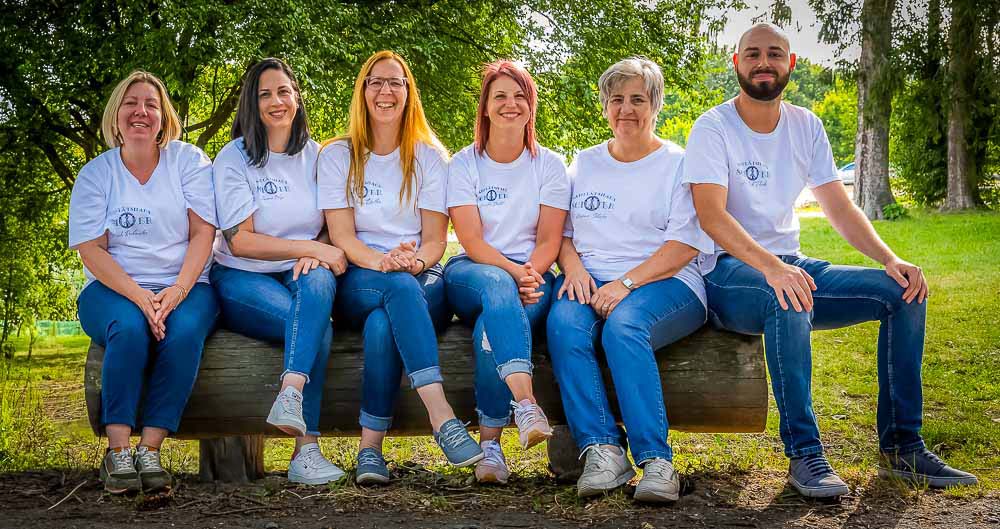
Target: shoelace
x=370, y=457
x=122, y=461
x=493, y=452
x=658, y=467
x=291, y=403
x=601, y=458
x=455, y=435
x=314, y=458
x=150, y=460
x=818, y=465
x=527, y=414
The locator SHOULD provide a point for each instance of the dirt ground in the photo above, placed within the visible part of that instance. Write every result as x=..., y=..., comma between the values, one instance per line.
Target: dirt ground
x=422, y=499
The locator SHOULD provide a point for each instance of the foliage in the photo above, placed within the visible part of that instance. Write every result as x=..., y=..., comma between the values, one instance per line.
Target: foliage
x=838, y=109
x=58, y=71
x=894, y=211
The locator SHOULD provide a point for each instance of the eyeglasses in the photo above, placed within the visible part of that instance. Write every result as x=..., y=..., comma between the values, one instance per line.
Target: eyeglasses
x=396, y=84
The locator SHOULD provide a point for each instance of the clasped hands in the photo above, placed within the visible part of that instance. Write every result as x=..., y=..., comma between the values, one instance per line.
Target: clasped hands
x=529, y=281
x=156, y=306
x=402, y=258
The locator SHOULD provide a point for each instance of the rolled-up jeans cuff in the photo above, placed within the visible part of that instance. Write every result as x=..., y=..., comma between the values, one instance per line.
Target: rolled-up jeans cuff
x=492, y=422
x=374, y=422
x=517, y=365
x=425, y=376
x=802, y=452
x=292, y=371
x=648, y=455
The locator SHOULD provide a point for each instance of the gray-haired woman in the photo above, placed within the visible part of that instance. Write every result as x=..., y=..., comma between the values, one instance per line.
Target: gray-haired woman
x=630, y=285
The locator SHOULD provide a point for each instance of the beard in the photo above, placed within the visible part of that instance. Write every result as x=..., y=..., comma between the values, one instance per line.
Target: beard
x=766, y=91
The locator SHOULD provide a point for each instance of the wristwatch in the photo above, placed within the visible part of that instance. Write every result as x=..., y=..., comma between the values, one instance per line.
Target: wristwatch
x=628, y=283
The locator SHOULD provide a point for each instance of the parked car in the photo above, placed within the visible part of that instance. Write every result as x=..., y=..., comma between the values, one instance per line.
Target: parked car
x=846, y=173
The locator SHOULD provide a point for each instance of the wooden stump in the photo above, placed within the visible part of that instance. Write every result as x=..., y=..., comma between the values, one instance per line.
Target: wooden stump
x=236, y=459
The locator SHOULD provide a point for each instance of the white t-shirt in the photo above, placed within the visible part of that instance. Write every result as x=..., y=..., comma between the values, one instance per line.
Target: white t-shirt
x=281, y=197
x=380, y=220
x=508, y=195
x=764, y=173
x=622, y=212
x=147, y=224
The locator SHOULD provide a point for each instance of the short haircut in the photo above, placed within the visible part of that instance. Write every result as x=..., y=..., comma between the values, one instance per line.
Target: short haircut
x=170, y=127
x=523, y=79
x=248, y=125
x=626, y=69
x=764, y=25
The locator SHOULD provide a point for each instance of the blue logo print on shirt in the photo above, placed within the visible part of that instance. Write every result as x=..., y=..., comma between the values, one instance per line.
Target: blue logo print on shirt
x=271, y=188
x=130, y=222
x=756, y=173
x=492, y=196
x=594, y=205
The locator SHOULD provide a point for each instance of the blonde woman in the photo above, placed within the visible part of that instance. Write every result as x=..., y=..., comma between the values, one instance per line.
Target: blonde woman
x=142, y=217
x=381, y=186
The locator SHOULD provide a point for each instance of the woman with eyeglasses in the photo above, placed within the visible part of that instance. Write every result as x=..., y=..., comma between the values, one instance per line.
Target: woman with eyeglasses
x=381, y=186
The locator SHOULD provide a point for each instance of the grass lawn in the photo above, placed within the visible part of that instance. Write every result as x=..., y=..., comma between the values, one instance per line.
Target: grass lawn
x=43, y=417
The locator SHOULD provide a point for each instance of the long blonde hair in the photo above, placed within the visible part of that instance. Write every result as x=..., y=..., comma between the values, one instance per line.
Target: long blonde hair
x=359, y=138
x=171, y=123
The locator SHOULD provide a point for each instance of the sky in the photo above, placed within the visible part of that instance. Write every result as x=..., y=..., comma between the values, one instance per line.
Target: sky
x=803, y=32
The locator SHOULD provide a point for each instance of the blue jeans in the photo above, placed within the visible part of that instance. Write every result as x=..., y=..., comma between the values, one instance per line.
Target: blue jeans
x=740, y=300
x=118, y=325
x=487, y=297
x=398, y=314
x=650, y=317
x=274, y=308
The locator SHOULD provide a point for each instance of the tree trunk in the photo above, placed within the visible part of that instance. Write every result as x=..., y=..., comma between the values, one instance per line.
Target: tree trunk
x=962, y=193
x=872, y=191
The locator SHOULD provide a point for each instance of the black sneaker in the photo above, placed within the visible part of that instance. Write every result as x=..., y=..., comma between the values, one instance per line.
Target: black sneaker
x=118, y=471
x=813, y=477
x=923, y=468
x=152, y=476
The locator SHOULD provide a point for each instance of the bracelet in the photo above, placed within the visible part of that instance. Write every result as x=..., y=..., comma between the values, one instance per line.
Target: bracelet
x=184, y=290
x=423, y=264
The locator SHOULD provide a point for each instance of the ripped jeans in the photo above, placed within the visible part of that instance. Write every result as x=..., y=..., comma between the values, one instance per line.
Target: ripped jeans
x=486, y=297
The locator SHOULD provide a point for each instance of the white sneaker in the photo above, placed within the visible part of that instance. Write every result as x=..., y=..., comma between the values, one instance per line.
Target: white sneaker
x=311, y=468
x=286, y=413
x=532, y=425
x=659, y=483
x=492, y=468
x=606, y=468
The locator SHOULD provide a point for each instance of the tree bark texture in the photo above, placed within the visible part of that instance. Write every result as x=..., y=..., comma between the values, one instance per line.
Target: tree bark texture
x=872, y=190
x=962, y=37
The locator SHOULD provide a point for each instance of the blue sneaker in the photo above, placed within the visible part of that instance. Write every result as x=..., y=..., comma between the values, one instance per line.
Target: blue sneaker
x=371, y=468
x=923, y=468
x=813, y=477
x=456, y=443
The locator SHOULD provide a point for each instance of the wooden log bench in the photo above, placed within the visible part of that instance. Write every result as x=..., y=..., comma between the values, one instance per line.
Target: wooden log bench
x=713, y=381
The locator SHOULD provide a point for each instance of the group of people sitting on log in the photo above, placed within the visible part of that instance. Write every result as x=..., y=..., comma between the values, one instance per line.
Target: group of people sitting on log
x=280, y=234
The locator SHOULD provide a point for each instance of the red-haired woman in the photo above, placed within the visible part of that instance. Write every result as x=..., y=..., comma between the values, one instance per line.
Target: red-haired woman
x=508, y=198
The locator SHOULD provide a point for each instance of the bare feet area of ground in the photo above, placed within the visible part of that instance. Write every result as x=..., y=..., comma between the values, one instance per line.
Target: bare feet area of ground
x=424, y=499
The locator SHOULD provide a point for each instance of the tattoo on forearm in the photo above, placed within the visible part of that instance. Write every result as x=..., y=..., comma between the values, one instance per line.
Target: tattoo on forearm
x=230, y=233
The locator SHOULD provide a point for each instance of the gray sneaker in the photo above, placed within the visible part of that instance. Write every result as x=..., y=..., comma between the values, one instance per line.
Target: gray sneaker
x=118, y=471
x=605, y=469
x=813, y=477
x=659, y=483
x=152, y=476
x=286, y=413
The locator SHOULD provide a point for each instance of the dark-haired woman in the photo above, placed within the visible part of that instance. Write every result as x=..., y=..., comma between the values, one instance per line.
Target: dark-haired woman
x=275, y=267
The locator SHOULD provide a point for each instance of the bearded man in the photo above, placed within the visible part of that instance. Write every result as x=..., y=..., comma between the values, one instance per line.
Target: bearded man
x=747, y=160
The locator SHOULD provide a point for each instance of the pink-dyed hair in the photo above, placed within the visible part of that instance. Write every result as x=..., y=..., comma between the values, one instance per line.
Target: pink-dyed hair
x=523, y=79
